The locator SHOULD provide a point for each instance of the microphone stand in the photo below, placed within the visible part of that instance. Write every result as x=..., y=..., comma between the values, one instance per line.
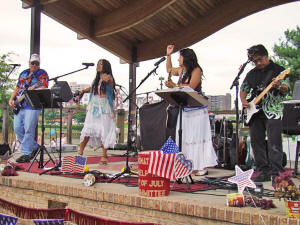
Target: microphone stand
x=235, y=84
x=14, y=67
x=7, y=76
x=60, y=120
x=129, y=144
x=55, y=78
x=142, y=81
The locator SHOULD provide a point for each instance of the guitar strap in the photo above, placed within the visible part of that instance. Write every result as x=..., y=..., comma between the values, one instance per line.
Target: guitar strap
x=263, y=84
x=268, y=78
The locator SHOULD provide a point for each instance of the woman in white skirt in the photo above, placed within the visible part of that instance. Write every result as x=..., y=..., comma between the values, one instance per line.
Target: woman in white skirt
x=196, y=131
x=99, y=126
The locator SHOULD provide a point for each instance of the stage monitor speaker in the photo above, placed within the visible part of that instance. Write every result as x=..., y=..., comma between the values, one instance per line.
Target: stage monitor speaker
x=153, y=125
x=296, y=92
x=62, y=91
x=291, y=119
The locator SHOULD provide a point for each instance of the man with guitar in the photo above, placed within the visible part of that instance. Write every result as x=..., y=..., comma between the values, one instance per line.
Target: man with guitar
x=267, y=85
x=26, y=117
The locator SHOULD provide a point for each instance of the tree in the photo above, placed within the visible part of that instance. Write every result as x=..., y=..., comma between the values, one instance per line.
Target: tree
x=79, y=116
x=5, y=82
x=287, y=53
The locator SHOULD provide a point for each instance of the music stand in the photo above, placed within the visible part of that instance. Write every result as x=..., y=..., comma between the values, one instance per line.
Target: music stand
x=41, y=98
x=182, y=97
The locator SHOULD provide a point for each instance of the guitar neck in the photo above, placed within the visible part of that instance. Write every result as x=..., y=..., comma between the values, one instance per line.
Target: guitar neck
x=262, y=94
x=281, y=76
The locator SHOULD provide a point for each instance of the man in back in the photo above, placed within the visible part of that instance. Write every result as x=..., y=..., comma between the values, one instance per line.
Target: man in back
x=26, y=117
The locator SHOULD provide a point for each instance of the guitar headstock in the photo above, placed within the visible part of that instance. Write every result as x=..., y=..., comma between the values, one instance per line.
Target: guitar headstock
x=283, y=74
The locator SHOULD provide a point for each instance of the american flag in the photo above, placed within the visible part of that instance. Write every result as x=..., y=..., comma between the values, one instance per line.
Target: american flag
x=162, y=162
x=8, y=220
x=183, y=167
x=170, y=147
x=73, y=164
x=49, y=222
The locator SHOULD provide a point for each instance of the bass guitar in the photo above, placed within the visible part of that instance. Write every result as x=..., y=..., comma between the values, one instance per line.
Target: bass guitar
x=18, y=100
x=247, y=113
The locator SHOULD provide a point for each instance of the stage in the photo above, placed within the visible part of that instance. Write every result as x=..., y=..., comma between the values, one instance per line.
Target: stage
x=118, y=201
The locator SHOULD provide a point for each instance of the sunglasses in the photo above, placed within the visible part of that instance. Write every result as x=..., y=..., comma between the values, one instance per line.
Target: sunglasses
x=35, y=63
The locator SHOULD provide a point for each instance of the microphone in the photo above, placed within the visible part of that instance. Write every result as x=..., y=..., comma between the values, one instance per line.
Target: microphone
x=15, y=65
x=88, y=64
x=160, y=61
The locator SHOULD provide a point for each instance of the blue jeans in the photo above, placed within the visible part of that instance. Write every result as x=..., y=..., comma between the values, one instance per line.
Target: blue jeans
x=24, y=125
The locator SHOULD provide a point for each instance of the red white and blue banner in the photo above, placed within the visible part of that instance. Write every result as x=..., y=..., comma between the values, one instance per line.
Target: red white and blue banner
x=169, y=162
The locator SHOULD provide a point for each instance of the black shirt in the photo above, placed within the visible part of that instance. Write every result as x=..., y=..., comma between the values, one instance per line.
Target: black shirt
x=257, y=80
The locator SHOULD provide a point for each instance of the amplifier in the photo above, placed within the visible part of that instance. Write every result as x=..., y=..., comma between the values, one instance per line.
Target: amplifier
x=291, y=119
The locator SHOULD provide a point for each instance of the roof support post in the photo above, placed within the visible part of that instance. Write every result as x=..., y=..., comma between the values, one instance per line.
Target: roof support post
x=131, y=138
x=35, y=27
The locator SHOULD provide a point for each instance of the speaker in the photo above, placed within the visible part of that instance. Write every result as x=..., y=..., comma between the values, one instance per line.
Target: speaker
x=291, y=119
x=62, y=91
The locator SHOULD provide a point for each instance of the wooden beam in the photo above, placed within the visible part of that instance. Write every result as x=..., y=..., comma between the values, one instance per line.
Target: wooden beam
x=116, y=46
x=70, y=16
x=26, y=4
x=221, y=16
x=129, y=16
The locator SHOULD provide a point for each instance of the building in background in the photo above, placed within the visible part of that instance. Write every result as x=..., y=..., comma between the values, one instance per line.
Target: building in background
x=78, y=87
x=220, y=102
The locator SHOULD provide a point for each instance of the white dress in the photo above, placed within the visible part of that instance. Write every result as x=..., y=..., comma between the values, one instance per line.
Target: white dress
x=99, y=123
x=196, y=138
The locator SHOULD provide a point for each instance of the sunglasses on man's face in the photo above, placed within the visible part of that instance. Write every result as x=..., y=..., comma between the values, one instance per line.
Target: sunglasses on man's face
x=35, y=63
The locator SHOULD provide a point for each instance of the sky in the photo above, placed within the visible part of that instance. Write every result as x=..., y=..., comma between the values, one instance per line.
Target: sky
x=220, y=55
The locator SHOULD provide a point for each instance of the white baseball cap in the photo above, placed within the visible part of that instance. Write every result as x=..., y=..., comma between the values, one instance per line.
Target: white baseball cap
x=34, y=58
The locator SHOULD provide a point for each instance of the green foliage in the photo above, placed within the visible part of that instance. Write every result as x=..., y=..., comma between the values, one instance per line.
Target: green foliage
x=6, y=84
x=287, y=53
x=79, y=117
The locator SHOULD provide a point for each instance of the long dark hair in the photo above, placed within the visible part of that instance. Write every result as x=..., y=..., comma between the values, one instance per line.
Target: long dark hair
x=106, y=69
x=190, y=61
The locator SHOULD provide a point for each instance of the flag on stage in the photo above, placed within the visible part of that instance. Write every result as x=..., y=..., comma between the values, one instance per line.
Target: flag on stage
x=73, y=164
x=8, y=220
x=162, y=162
x=49, y=222
x=183, y=166
x=170, y=147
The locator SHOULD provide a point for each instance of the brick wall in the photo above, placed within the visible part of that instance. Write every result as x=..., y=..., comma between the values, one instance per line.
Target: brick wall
x=128, y=207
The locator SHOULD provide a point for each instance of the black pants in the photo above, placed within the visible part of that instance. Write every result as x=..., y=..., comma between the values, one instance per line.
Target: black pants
x=267, y=160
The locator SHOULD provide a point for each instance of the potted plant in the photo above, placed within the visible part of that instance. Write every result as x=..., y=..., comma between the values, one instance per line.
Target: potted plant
x=285, y=188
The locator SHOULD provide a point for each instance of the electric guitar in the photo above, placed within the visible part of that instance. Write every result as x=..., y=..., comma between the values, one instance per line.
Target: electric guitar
x=18, y=100
x=247, y=113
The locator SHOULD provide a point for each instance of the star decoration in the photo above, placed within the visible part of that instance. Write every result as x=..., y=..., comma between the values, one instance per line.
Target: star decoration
x=242, y=179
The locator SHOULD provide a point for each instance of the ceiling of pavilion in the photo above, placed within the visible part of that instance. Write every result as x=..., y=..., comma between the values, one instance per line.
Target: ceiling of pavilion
x=138, y=30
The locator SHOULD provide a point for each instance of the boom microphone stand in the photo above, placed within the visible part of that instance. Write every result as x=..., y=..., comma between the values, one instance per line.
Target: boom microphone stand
x=55, y=96
x=235, y=84
x=129, y=141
